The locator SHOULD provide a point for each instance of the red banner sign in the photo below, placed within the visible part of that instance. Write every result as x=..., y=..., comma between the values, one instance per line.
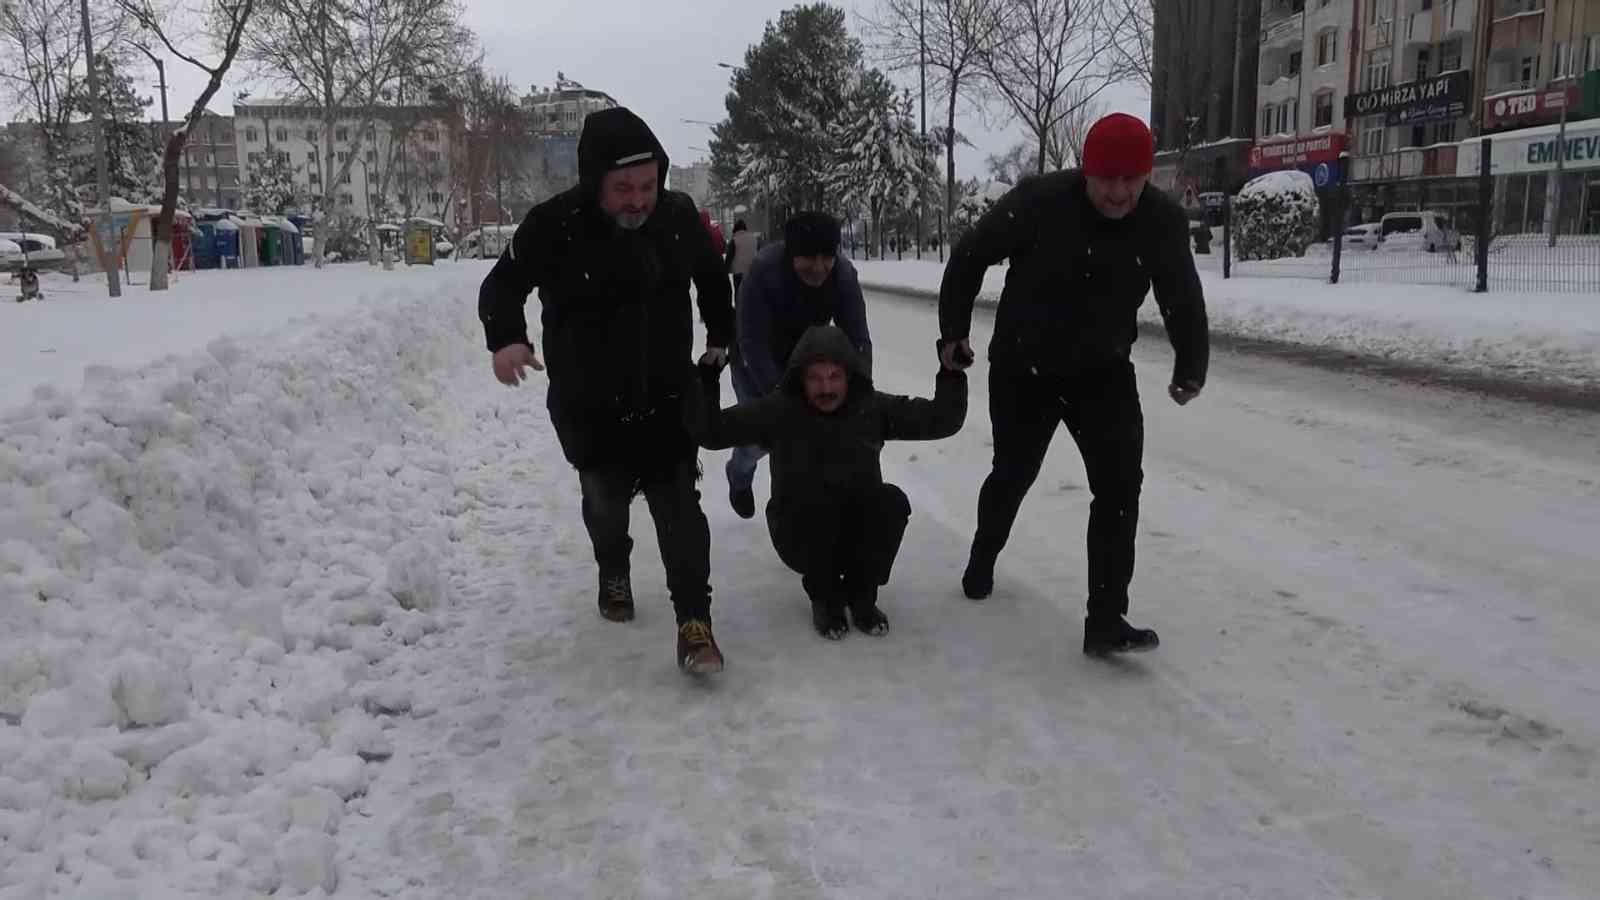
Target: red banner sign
x=1298, y=152
x=1530, y=107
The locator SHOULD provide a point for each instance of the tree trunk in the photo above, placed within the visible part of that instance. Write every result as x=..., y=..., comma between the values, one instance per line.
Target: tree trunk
x=950, y=159
x=161, y=263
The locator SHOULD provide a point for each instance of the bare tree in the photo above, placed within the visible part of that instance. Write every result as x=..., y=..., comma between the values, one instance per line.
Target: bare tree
x=1132, y=25
x=44, y=74
x=1050, y=57
x=345, y=57
x=957, y=33
x=172, y=26
x=1067, y=136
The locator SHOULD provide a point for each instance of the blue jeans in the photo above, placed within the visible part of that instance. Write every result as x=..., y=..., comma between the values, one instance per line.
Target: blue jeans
x=742, y=467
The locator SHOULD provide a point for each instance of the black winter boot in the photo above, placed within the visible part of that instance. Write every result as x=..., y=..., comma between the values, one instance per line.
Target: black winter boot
x=864, y=611
x=827, y=607
x=616, y=597
x=1104, y=637
x=978, y=581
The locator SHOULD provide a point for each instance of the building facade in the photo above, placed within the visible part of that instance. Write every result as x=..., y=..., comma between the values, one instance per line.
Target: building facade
x=1303, y=78
x=1203, y=92
x=209, y=168
x=560, y=109
x=402, y=166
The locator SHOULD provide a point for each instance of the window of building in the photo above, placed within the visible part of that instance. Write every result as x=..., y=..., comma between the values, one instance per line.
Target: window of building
x=227, y=136
x=1324, y=110
x=1424, y=59
x=431, y=135
x=432, y=156
x=1294, y=63
x=1375, y=76
x=249, y=135
x=1528, y=69
x=1419, y=136
x=1328, y=47
x=342, y=156
x=1444, y=133
x=347, y=198
x=1591, y=52
x=311, y=135
x=345, y=178
x=1450, y=55
x=435, y=198
x=341, y=134
x=1268, y=119
x=312, y=157
x=372, y=157
x=1372, y=130
x=252, y=158
x=316, y=177
x=283, y=134
x=1289, y=117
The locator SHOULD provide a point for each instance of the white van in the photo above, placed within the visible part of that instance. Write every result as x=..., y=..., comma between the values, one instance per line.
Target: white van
x=486, y=242
x=1432, y=230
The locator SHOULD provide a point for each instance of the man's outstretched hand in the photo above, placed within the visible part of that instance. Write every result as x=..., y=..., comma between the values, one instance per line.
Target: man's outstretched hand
x=1183, y=392
x=512, y=362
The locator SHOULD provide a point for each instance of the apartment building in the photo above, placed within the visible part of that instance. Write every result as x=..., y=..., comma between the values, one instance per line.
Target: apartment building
x=209, y=168
x=403, y=164
x=1302, y=81
x=560, y=109
x=1203, y=115
x=1415, y=78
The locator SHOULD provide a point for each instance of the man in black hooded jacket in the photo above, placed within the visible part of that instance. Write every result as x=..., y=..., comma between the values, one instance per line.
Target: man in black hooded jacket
x=612, y=259
x=832, y=517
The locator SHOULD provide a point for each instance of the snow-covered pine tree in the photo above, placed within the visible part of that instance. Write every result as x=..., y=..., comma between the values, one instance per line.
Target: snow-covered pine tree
x=133, y=155
x=270, y=187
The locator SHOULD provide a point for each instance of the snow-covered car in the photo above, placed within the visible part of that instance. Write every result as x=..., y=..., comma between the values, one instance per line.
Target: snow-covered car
x=1364, y=237
x=1433, y=231
x=38, y=250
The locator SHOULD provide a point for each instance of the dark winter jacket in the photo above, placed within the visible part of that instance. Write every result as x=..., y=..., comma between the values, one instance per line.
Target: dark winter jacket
x=617, y=322
x=775, y=307
x=814, y=452
x=1077, y=279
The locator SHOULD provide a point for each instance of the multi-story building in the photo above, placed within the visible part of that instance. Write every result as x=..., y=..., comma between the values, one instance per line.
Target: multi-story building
x=560, y=109
x=693, y=179
x=1203, y=115
x=1542, y=63
x=402, y=165
x=1415, y=74
x=208, y=171
x=1302, y=79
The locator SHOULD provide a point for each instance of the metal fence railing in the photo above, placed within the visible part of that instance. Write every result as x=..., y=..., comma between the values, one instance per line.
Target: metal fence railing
x=1483, y=242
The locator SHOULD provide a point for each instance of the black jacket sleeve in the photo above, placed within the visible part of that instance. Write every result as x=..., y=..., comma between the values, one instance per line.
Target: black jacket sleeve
x=1180, y=298
x=715, y=428
x=918, y=419
x=505, y=290
x=712, y=289
x=1001, y=232
x=851, y=314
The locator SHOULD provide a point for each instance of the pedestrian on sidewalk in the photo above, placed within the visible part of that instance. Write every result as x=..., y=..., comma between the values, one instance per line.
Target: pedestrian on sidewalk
x=1084, y=249
x=832, y=517
x=794, y=284
x=612, y=259
x=741, y=253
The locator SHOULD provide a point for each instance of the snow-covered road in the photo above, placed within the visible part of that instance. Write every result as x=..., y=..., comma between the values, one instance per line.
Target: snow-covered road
x=1378, y=677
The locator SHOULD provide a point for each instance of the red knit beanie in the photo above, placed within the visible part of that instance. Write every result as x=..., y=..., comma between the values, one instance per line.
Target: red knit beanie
x=1119, y=146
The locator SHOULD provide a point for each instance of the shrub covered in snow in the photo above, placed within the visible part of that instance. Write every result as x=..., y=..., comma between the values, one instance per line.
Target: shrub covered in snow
x=1275, y=216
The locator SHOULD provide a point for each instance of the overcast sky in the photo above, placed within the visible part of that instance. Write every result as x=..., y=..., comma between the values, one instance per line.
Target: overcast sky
x=658, y=58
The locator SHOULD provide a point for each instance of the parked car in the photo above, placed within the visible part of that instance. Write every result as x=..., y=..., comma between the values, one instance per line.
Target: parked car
x=1433, y=230
x=1364, y=237
x=39, y=250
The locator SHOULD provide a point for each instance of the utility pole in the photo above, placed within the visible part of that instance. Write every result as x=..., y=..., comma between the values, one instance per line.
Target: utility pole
x=922, y=145
x=1561, y=130
x=1237, y=116
x=113, y=282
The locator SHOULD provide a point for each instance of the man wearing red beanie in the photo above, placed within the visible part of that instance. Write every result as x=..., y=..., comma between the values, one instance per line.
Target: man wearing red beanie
x=1084, y=249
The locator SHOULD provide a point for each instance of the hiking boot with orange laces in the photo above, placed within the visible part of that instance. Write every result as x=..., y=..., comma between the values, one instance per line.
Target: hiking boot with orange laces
x=698, y=653
x=616, y=598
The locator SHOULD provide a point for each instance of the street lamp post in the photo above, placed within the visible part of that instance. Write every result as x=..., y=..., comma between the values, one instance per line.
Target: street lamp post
x=922, y=147
x=113, y=282
x=1561, y=130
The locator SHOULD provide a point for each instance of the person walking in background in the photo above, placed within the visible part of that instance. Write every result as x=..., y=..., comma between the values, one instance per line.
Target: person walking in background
x=612, y=259
x=741, y=253
x=1084, y=249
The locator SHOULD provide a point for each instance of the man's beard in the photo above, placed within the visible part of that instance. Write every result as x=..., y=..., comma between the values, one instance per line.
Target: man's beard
x=630, y=221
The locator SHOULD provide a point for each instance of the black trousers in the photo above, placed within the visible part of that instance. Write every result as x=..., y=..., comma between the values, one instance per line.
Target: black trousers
x=1101, y=411
x=681, y=530
x=841, y=541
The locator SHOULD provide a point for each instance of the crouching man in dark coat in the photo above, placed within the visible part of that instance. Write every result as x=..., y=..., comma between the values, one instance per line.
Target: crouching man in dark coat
x=612, y=259
x=831, y=516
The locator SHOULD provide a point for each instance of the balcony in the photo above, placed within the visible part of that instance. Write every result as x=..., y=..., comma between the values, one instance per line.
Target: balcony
x=1521, y=30
x=1419, y=29
x=1285, y=31
x=1378, y=35
x=1408, y=162
x=1458, y=17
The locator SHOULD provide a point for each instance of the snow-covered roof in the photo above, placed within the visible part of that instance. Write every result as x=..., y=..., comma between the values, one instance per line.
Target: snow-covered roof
x=423, y=220
x=1288, y=181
